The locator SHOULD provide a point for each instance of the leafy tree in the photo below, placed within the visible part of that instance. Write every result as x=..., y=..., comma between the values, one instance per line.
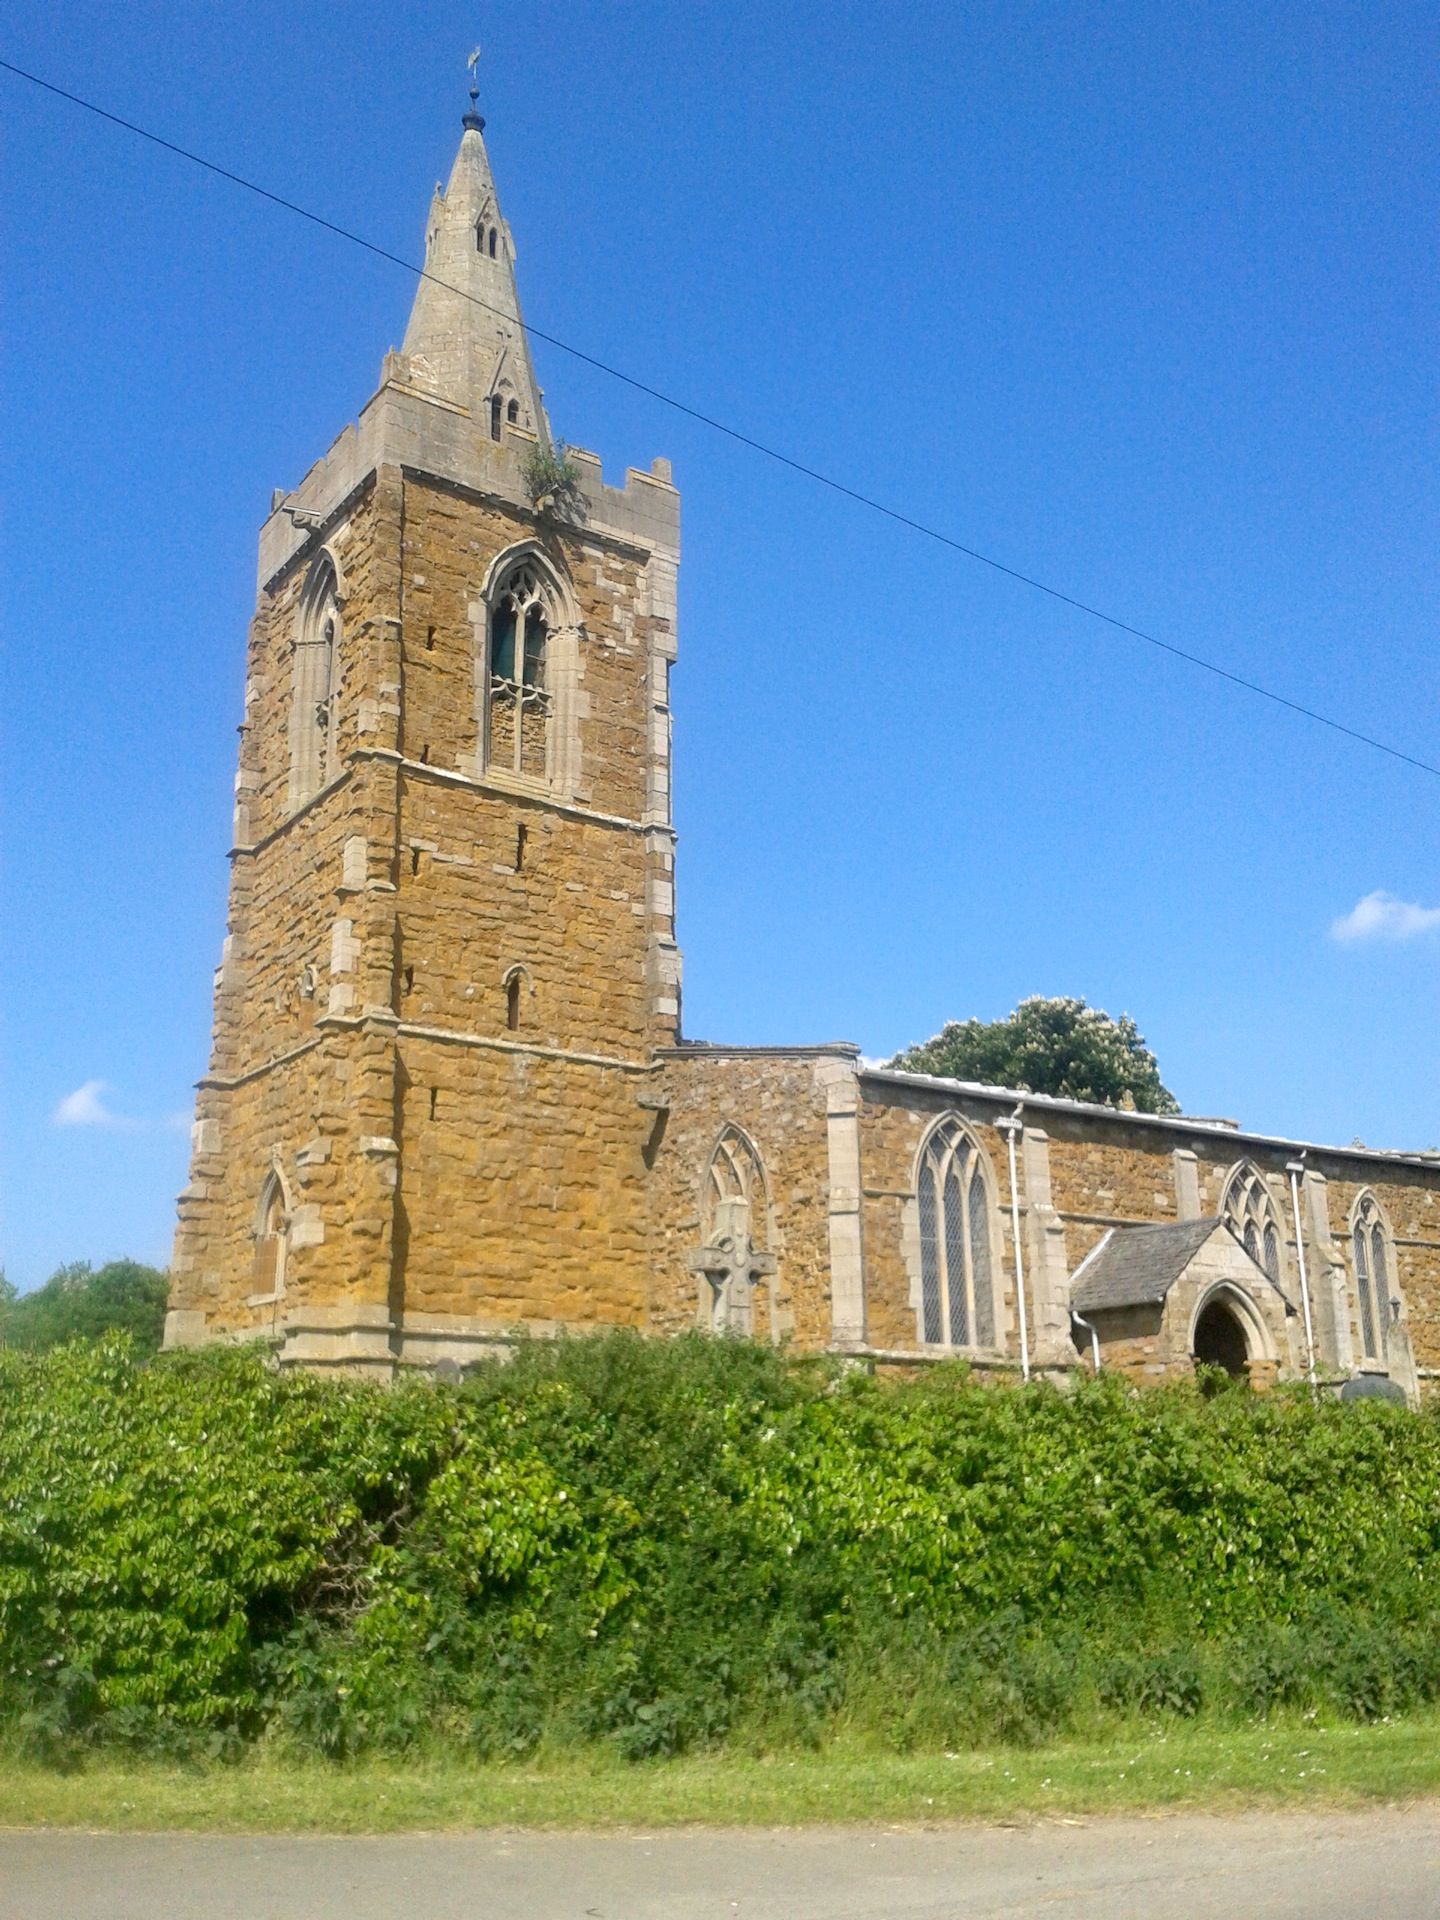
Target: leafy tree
x=79, y=1303
x=1061, y=1047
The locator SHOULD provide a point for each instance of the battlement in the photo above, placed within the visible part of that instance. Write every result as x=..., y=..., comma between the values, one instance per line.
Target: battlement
x=405, y=426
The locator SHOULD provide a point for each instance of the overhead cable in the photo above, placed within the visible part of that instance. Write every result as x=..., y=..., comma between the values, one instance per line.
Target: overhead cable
x=736, y=434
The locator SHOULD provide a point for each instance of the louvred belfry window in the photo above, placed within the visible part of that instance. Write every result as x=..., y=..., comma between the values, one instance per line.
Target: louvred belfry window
x=957, y=1296
x=518, y=698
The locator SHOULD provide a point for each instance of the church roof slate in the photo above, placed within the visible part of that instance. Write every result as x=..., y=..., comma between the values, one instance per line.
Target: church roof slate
x=1137, y=1266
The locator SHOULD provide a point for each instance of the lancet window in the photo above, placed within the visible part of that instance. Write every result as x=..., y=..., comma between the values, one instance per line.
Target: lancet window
x=1249, y=1212
x=518, y=703
x=957, y=1290
x=1374, y=1269
x=272, y=1224
x=315, y=682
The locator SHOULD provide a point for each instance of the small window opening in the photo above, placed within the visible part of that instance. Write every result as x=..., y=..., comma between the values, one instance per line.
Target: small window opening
x=414, y=859
x=425, y=754
x=429, y=639
x=497, y=406
x=407, y=980
x=512, y=1002
x=522, y=834
x=512, y=412
x=434, y=1098
x=493, y=237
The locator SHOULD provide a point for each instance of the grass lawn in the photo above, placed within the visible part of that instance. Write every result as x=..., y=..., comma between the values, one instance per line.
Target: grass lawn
x=1194, y=1766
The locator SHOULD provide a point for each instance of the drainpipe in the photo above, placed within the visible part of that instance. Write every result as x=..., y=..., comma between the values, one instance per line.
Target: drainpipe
x=1010, y=1128
x=1295, y=1168
x=1081, y=1321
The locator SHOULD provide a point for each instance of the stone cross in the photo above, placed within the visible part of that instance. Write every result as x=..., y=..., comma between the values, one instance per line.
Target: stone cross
x=732, y=1266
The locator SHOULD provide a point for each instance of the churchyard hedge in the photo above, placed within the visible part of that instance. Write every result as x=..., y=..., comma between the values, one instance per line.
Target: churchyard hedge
x=662, y=1545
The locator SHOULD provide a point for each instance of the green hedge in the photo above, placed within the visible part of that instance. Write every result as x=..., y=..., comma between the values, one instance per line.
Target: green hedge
x=671, y=1544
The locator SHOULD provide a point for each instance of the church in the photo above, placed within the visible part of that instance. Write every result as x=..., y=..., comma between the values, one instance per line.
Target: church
x=450, y=1102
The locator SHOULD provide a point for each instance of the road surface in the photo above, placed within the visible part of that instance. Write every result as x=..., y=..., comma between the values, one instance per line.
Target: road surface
x=1377, y=1865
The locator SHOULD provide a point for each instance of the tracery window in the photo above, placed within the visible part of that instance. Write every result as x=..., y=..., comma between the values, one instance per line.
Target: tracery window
x=1373, y=1270
x=735, y=1173
x=314, y=686
x=957, y=1294
x=1249, y=1212
x=518, y=704
x=734, y=1206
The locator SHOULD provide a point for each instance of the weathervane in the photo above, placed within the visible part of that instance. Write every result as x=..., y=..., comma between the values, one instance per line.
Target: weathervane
x=473, y=117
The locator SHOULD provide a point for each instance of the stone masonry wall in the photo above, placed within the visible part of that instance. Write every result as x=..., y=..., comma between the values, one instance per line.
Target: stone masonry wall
x=521, y=1195
x=777, y=1100
x=893, y=1123
x=571, y=916
x=305, y=1117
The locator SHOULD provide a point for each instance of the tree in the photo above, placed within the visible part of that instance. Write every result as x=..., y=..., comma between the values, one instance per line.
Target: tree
x=1061, y=1047
x=79, y=1303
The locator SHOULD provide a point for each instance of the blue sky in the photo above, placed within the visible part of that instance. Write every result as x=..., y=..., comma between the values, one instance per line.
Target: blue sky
x=1135, y=297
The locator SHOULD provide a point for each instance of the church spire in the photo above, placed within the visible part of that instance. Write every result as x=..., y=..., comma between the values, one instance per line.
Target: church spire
x=466, y=339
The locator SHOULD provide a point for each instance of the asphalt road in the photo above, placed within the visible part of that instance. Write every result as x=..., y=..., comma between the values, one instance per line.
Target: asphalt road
x=1382, y=1865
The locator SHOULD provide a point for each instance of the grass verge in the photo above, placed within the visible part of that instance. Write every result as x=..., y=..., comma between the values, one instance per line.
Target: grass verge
x=1194, y=1767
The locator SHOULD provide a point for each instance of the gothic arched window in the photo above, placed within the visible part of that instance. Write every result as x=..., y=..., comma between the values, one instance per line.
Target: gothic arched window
x=734, y=1210
x=316, y=673
x=957, y=1290
x=735, y=1173
x=1249, y=1212
x=272, y=1227
x=517, y=697
x=497, y=408
x=1373, y=1270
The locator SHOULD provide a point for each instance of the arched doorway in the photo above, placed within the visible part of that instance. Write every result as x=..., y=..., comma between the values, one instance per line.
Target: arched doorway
x=1220, y=1340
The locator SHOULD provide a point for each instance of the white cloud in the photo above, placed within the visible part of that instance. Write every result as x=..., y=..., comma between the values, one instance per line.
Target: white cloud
x=86, y=1107
x=1380, y=916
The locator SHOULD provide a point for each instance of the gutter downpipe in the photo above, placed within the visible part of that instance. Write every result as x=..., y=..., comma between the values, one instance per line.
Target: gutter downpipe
x=1078, y=1319
x=1295, y=1168
x=1010, y=1128
x=1081, y=1321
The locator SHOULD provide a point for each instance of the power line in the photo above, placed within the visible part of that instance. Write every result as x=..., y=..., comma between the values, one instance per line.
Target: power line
x=734, y=433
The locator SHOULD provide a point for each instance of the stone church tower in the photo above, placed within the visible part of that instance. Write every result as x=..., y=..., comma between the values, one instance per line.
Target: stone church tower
x=448, y=1099
x=450, y=953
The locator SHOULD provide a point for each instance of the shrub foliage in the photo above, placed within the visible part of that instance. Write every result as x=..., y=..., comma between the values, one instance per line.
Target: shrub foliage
x=662, y=1545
